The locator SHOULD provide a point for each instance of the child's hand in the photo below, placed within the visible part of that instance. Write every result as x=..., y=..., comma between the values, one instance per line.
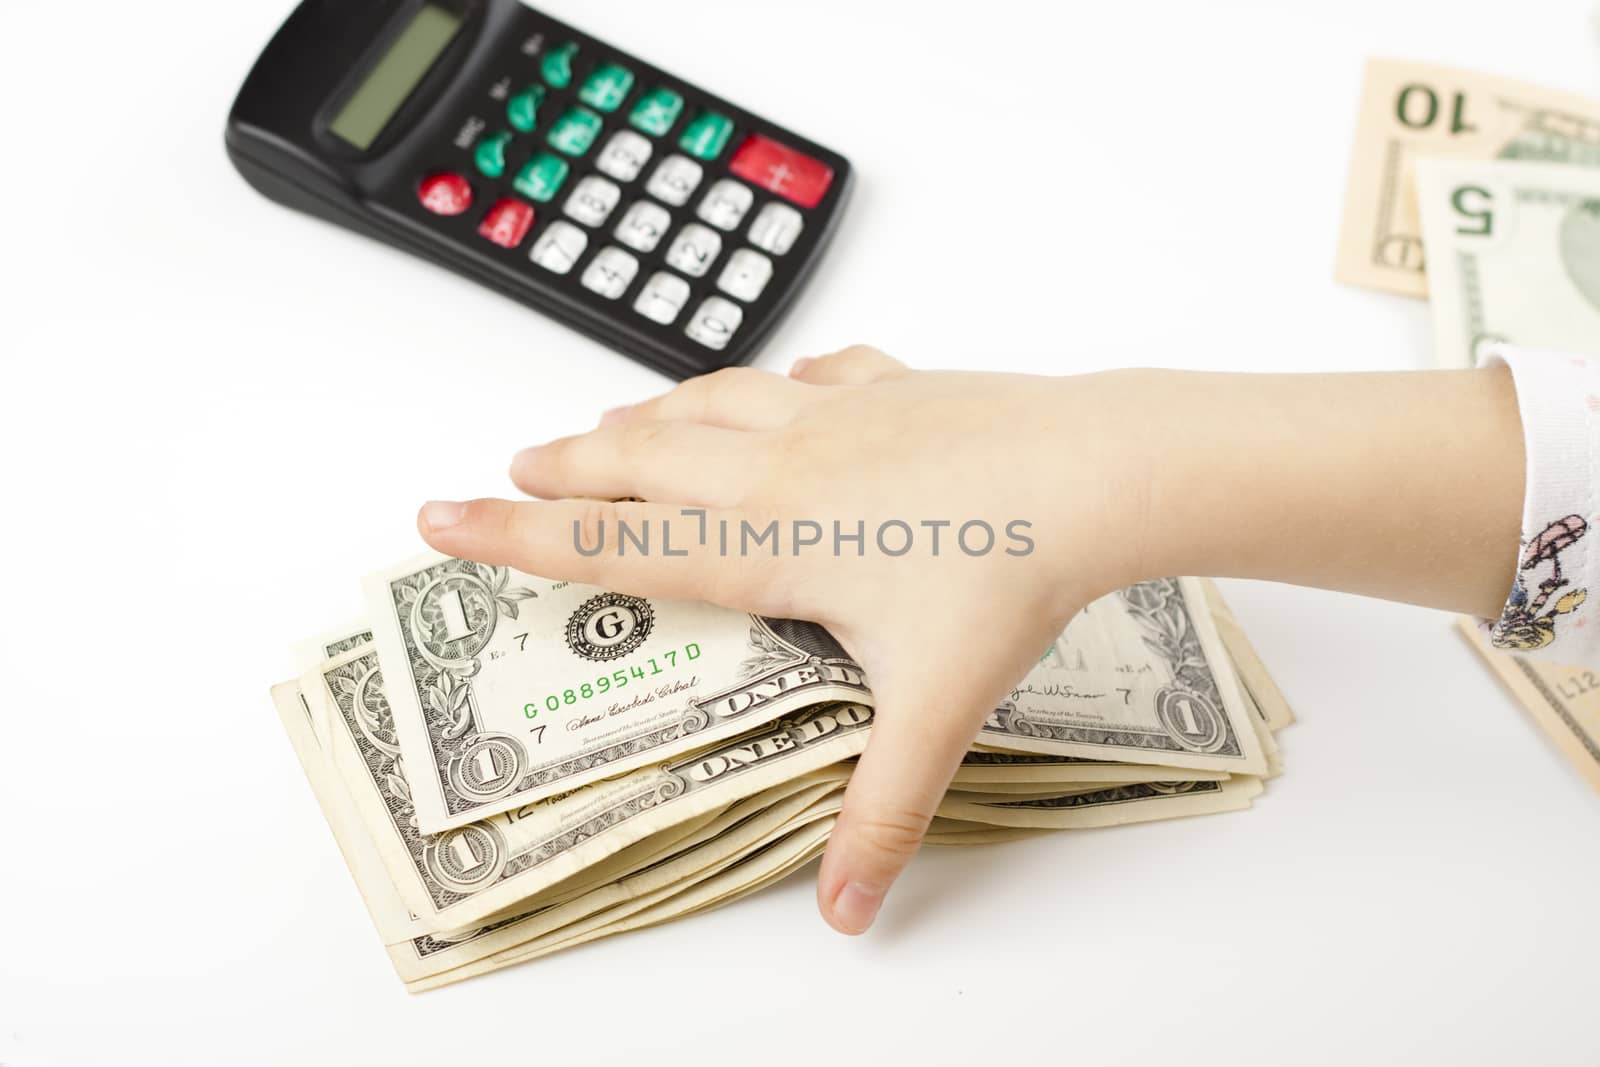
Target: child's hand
x=855, y=438
x=1406, y=486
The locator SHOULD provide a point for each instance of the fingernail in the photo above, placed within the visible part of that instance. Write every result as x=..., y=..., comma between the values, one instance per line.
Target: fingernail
x=615, y=414
x=442, y=514
x=856, y=906
x=799, y=365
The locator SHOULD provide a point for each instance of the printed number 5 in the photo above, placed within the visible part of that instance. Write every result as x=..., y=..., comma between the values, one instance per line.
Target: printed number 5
x=1476, y=203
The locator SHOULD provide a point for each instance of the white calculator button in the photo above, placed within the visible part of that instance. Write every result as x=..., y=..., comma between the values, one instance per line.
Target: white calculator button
x=662, y=297
x=592, y=201
x=776, y=228
x=624, y=156
x=746, y=274
x=559, y=247
x=643, y=226
x=610, y=272
x=694, y=250
x=674, y=180
x=726, y=204
x=714, y=322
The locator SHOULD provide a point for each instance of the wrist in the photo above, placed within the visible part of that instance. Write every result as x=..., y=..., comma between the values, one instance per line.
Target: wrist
x=1403, y=485
x=1110, y=464
x=1185, y=479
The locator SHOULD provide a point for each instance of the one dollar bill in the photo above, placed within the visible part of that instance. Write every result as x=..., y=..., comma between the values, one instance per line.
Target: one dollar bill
x=506, y=689
x=1139, y=676
x=1513, y=256
x=1411, y=111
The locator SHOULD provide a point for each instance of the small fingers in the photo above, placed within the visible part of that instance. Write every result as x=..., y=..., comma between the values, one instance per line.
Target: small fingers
x=856, y=365
x=735, y=398
x=892, y=796
x=584, y=541
x=664, y=462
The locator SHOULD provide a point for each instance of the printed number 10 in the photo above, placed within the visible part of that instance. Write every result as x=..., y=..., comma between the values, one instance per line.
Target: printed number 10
x=1418, y=108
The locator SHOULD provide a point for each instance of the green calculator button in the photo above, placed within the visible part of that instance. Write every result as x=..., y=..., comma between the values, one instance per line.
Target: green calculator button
x=490, y=154
x=556, y=66
x=706, y=135
x=607, y=87
x=575, y=131
x=522, y=110
x=540, y=179
x=656, y=111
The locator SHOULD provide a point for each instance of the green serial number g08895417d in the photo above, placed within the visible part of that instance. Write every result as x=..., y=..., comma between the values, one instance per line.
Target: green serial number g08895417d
x=615, y=680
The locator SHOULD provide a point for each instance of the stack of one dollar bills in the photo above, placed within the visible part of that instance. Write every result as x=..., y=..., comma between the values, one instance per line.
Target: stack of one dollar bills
x=512, y=766
x=1483, y=195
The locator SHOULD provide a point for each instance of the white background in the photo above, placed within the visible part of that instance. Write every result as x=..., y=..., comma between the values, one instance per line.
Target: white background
x=219, y=414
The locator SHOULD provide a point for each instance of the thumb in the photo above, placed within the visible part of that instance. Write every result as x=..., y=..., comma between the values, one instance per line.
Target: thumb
x=917, y=743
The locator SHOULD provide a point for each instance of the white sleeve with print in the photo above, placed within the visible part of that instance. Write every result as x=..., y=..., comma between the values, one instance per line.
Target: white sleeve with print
x=1550, y=612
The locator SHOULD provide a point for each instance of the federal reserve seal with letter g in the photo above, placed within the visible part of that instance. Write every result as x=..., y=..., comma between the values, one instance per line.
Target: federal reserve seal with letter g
x=609, y=626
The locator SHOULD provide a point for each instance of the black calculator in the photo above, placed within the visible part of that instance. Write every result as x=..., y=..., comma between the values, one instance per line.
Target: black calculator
x=559, y=170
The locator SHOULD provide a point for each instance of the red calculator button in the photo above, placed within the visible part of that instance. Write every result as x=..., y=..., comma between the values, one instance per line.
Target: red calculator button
x=780, y=169
x=445, y=194
x=507, y=223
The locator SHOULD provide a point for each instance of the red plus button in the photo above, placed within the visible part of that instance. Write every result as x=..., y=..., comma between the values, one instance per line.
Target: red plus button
x=779, y=169
x=445, y=194
x=507, y=223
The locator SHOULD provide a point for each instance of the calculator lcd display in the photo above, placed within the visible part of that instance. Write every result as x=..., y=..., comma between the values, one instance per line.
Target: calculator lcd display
x=381, y=92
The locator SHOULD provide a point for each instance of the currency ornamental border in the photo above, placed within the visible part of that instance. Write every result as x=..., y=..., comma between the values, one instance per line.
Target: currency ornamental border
x=1384, y=236
x=335, y=649
x=1018, y=759
x=1558, y=708
x=441, y=672
x=1192, y=699
x=1121, y=794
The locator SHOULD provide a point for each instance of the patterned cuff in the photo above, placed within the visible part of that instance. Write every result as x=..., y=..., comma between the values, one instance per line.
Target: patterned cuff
x=1559, y=398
